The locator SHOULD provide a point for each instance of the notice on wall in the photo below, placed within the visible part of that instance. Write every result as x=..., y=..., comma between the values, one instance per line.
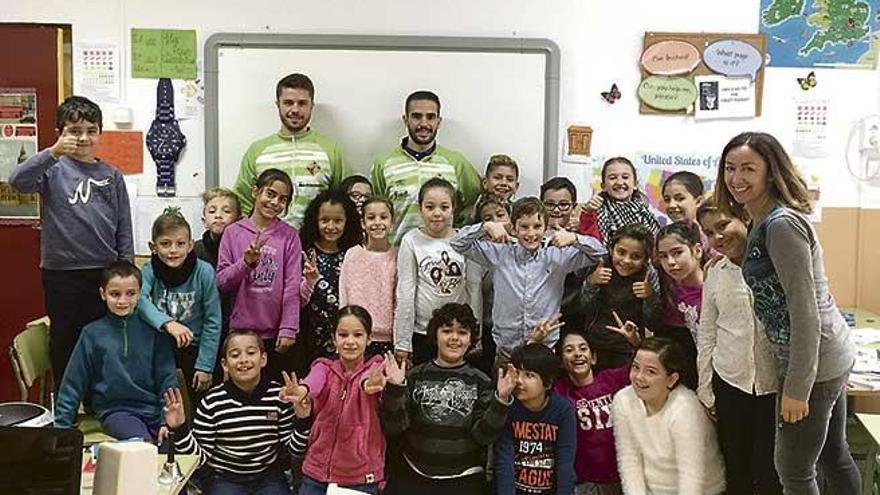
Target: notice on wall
x=18, y=142
x=96, y=71
x=720, y=97
x=157, y=53
x=811, y=128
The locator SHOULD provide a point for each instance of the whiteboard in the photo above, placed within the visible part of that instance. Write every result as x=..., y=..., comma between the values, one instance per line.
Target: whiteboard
x=497, y=95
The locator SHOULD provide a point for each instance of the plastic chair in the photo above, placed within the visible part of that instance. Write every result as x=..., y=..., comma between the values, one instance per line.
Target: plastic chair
x=29, y=354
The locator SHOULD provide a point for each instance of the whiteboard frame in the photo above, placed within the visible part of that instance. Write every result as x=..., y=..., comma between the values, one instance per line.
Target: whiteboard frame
x=285, y=41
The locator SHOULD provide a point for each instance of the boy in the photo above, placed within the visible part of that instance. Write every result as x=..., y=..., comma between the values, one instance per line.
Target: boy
x=528, y=274
x=86, y=223
x=447, y=411
x=535, y=453
x=123, y=364
x=221, y=209
x=502, y=177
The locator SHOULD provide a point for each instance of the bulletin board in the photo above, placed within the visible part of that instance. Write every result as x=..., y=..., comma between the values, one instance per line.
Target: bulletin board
x=701, y=41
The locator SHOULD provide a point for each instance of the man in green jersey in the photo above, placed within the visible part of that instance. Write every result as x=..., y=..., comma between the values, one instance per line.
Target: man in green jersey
x=313, y=161
x=399, y=173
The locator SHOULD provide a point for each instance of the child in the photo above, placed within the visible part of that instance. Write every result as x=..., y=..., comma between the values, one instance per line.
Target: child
x=120, y=362
x=535, y=453
x=528, y=275
x=330, y=229
x=430, y=273
x=346, y=445
x=179, y=290
x=221, y=209
x=811, y=340
x=737, y=371
x=591, y=394
x=358, y=188
x=86, y=223
x=500, y=180
x=447, y=411
x=682, y=195
x=619, y=203
x=242, y=426
x=665, y=443
x=624, y=286
x=260, y=261
x=368, y=277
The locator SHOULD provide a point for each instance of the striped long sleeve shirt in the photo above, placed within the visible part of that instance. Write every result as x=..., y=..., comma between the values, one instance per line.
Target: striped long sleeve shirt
x=240, y=433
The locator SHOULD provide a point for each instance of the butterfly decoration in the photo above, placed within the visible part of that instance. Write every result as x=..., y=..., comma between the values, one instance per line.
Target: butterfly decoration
x=807, y=83
x=612, y=95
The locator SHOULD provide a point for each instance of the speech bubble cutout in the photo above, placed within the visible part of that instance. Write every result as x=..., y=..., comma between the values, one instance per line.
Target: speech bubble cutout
x=733, y=58
x=667, y=93
x=670, y=58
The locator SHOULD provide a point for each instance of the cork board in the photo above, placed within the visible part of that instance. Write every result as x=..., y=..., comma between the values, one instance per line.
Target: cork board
x=701, y=41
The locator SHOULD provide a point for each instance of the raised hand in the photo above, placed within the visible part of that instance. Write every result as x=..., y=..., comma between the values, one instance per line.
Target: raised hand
x=292, y=392
x=643, y=289
x=375, y=382
x=65, y=146
x=310, y=266
x=283, y=344
x=543, y=328
x=252, y=253
x=395, y=373
x=496, y=232
x=506, y=382
x=563, y=238
x=594, y=203
x=201, y=381
x=574, y=220
x=181, y=333
x=629, y=330
x=174, y=413
x=601, y=275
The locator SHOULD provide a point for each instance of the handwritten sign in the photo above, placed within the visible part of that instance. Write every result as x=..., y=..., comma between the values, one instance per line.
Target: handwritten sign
x=159, y=53
x=733, y=58
x=667, y=93
x=670, y=58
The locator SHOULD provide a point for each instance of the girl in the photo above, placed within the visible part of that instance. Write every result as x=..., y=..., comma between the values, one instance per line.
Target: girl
x=810, y=338
x=242, y=460
x=430, y=273
x=330, y=228
x=665, y=443
x=358, y=188
x=368, y=276
x=591, y=394
x=624, y=286
x=346, y=445
x=220, y=210
x=179, y=290
x=680, y=255
x=619, y=203
x=682, y=195
x=737, y=372
x=260, y=261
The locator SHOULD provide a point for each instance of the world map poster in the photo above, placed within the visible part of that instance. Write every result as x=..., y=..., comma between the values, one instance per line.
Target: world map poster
x=821, y=33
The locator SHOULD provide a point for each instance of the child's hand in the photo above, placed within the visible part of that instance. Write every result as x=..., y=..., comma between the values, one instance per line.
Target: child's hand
x=66, y=145
x=162, y=434
x=303, y=408
x=394, y=373
x=403, y=356
x=292, y=392
x=201, y=381
x=629, y=330
x=543, y=328
x=506, y=382
x=496, y=232
x=252, y=253
x=180, y=332
x=601, y=275
x=594, y=203
x=793, y=410
x=375, y=383
x=174, y=414
x=310, y=266
x=563, y=238
x=574, y=220
x=643, y=289
x=283, y=344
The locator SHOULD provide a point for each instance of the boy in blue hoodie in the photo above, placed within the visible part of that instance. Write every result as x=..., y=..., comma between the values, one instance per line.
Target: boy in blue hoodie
x=122, y=363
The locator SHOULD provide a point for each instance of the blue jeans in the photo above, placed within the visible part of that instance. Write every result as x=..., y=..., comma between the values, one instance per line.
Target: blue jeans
x=311, y=486
x=124, y=425
x=270, y=482
x=820, y=438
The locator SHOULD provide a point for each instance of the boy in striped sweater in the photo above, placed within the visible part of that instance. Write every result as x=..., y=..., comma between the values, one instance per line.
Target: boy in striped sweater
x=242, y=459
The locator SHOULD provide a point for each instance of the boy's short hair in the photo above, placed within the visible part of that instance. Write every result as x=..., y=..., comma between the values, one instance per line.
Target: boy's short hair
x=422, y=94
x=78, y=108
x=489, y=199
x=221, y=192
x=295, y=81
x=538, y=359
x=241, y=333
x=526, y=206
x=448, y=314
x=500, y=160
x=120, y=269
x=350, y=181
x=559, y=183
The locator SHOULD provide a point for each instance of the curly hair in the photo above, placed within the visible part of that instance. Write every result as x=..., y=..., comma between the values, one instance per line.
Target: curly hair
x=352, y=234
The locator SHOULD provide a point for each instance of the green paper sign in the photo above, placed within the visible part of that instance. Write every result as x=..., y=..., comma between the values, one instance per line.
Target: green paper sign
x=159, y=53
x=667, y=93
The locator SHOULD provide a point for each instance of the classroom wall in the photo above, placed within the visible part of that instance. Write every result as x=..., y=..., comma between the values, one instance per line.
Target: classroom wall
x=600, y=44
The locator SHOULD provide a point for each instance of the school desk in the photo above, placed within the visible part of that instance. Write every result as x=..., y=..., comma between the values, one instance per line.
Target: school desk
x=188, y=464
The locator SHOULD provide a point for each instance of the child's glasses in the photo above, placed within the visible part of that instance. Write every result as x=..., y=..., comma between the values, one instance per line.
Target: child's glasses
x=561, y=206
